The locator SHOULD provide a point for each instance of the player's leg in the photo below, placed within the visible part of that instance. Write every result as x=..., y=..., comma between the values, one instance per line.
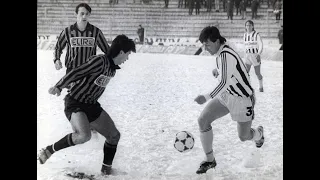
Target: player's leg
x=213, y=110
x=81, y=134
x=247, y=62
x=80, y=124
x=246, y=132
x=242, y=111
x=106, y=127
x=257, y=70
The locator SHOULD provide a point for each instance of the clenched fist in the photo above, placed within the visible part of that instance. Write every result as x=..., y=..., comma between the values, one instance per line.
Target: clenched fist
x=58, y=64
x=200, y=99
x=54, y=90
x=215, y=73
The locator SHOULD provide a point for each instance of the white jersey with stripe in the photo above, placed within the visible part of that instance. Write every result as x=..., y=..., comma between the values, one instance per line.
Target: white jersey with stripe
x=252, y=42
x=233, y=76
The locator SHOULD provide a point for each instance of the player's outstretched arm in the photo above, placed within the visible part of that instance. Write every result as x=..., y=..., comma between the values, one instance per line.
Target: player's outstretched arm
x=94, y=65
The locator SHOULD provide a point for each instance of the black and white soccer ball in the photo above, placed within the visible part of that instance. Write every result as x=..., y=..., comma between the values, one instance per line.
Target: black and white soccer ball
x=184, y=141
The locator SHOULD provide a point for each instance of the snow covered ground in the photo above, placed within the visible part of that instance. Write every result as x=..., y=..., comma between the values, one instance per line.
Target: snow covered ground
x=151, y=99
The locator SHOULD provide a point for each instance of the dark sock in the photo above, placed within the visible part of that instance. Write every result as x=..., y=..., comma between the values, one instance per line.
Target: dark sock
x=109, y=151
x=61, y=144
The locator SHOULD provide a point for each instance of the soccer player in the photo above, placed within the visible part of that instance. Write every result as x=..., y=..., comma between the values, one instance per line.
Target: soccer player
x=81, y=40
x=233, y=95
x=253, y=49
x=81, y=103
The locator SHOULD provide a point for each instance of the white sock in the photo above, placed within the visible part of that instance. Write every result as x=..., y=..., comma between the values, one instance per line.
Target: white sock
x=206, y=138
x=256, y=135
x=260, y=83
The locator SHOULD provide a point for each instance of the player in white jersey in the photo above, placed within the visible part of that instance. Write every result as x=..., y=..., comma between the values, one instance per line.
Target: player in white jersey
x=233, y=95
x=253, y=49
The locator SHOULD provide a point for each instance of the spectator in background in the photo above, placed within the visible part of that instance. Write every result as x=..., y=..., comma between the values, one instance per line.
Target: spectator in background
x=243, y=9
x=209, y=5
x=224, y=5
x=280, y=36
x=140, y=33
x=237, y=5
x=180, y=3
x=186, y=3
x=254, y=8
x=273, y=3
x=166, y=3
x=198, y=6
x=249, y=3
x=191, y=6
x=230, y=9
x=217, y=5
x=277, y=9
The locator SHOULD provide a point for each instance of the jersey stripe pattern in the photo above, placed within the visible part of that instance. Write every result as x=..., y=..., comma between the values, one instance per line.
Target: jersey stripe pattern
x=251, y=42
x=233, y=76
x=80, y=44
x=92, y=76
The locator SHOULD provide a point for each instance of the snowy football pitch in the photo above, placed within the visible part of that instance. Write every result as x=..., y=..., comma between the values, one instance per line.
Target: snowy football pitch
x=150, y=99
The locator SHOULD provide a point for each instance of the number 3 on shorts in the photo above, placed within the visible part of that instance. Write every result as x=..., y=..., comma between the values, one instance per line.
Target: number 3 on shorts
x=250, y=112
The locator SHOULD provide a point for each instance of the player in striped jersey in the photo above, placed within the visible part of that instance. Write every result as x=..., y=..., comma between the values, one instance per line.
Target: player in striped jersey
x=253, y=49
x=81, y=40
x=233, y=95
x=81, y=103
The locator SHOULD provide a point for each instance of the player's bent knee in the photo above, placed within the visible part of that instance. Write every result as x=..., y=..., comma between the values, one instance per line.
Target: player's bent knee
x=115, y=139
x=84, y=137
x=203, y=123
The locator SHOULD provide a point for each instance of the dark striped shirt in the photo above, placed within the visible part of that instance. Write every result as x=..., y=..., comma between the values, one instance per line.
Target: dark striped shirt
x=233, y=76
x=80, y=44
x=92, y=76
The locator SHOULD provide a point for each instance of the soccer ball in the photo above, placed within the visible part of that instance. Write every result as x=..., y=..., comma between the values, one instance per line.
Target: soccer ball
x=184, y=141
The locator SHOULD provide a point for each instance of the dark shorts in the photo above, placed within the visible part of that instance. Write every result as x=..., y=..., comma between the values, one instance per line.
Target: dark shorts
x=71, y=105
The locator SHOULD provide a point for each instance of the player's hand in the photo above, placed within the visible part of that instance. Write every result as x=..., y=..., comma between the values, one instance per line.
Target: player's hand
x=215, y=73
x=258, y=58
x=54, y=91
x=58, y=64
x=200, y=99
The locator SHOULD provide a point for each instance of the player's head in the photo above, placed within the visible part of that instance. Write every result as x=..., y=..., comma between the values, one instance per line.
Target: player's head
x=211, y=39
x=83, y=11
x=249, y=26
x=120, y=49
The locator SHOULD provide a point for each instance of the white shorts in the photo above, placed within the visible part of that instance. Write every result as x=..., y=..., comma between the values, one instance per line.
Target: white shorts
x=241, y=108
x=251, y=59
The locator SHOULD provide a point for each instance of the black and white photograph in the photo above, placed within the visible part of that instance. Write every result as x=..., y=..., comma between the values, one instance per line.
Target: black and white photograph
x=160, y=89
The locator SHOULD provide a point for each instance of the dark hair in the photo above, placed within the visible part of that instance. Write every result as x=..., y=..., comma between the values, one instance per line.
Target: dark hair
x=212, y=33
x=85, y=5
x=121, y=42
x=251, y=22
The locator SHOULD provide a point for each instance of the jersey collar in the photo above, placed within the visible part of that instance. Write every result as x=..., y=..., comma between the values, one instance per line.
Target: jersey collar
x=112, y=65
